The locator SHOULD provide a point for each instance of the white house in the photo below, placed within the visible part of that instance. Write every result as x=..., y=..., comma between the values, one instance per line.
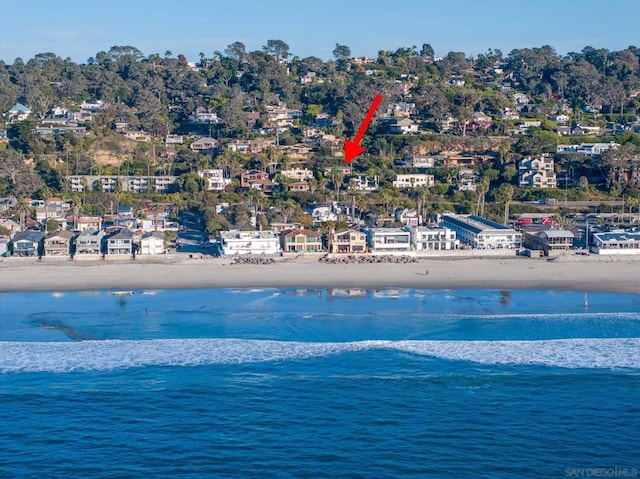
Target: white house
x=298, y=174
x=481, y=233
x=236, y=242
x=152, y=243
x=404, y=126
x=215, y=179
x=18, y=113
x=388, y=240
x=588, y=149
x=414, y=180
x=426, y=238
x=616, y=243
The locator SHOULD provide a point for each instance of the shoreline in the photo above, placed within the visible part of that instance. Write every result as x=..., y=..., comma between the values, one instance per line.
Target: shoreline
x=619, y=276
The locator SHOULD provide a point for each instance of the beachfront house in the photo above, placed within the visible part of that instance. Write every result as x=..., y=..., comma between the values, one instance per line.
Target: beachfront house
x=58, y=243
x=347, y=241
x=616, y=243
x=89, y=244
x=152, y=243
x=262, y=243
x=120, y=243
x=481, y=233
x=426, y=238
x=27, y=243
x=388, y=240
x=301, y=241
x=549, y=241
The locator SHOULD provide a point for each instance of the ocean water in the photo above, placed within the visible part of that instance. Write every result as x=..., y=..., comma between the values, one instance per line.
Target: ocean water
x=319, y=383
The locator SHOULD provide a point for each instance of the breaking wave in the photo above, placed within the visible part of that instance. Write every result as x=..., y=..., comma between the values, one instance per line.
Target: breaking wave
x=60, y=357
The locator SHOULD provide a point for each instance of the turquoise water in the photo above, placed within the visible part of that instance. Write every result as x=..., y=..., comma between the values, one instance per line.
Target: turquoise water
x=319, y=383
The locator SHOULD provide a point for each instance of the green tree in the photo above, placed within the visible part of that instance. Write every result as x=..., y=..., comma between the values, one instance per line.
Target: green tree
x=341, y=51
x=278, y=48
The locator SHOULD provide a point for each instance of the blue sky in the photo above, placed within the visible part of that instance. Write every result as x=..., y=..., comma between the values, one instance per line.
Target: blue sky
x=80, y=29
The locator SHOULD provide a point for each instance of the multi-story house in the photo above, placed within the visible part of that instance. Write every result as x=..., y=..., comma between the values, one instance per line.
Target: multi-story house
x=298, y=174
x=27, y=243
x=120, y=243
x=236, y=242
x=88, y=223
x=152, y=243
x=58, y=244
x=425, y=238
x=414, y=180
x=215, y=179
x=388, y=240
x=301, y=241
x=204, y=144
x=481, y=233
x=537, y=172
x=89, y=243
x=347, y=241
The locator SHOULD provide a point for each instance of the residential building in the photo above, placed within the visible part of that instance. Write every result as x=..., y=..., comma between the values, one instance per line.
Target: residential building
x=408, y=217
x=120, y=243
x=89, y=243
x=403, y=126
x=18, y=113
x=388, y=240
x=323, y=213
x=236, y=242
x=481, y=233
x=204, y=145
x=125, y=211
x=426, y=238
x=27, y=243
x=301, y=241
x=133, y=184
x=152, y=243
x=588, y=149
x=364, y=183
x=616, y=243
x=299, y=186
x=549, y=241
x=215, y=179
x=419, y=161
x=58, y=244
x=537, y=172
x=4, y=246
x=85, y=223
x=414, y=180
x=347, y=241
x=252, y=177
x=174, y=140
x=298, y=174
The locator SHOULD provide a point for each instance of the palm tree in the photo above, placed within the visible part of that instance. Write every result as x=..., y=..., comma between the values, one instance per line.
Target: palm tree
x=481, y=190
x=505, y=195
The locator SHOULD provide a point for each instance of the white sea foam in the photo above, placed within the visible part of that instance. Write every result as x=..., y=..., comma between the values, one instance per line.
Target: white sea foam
x=108, y=355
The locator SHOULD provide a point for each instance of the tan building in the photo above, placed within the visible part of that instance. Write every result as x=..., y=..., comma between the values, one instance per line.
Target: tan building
x=58, y=244
x=348, y=241
x=537, y=172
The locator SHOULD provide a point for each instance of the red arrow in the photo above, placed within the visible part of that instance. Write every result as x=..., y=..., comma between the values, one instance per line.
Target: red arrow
x=353, y=148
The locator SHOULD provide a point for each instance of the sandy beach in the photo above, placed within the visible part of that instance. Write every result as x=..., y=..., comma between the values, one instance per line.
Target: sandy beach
x=513, y=273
